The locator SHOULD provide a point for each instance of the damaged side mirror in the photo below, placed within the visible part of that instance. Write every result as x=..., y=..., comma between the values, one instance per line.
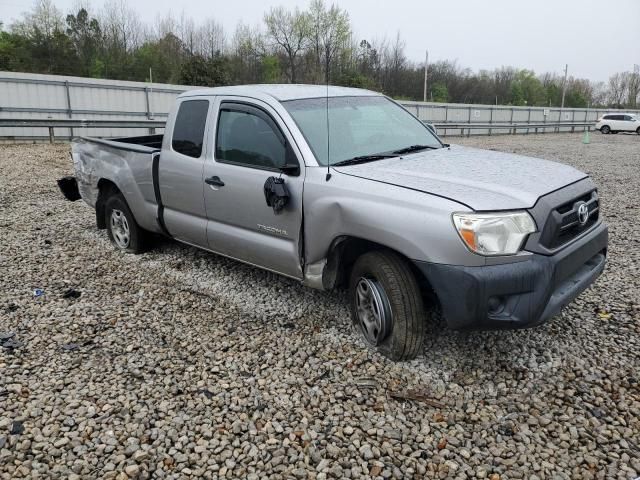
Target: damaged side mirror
x=276, y=193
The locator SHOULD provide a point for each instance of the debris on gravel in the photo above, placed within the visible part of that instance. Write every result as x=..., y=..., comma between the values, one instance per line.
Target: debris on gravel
x=182, y=364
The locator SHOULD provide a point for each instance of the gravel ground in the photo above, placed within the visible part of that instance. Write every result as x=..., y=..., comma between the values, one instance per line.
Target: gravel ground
x=179, y=363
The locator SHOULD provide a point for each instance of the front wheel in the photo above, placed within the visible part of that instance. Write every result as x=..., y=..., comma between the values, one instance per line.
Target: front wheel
x=386, y=305
x=605, y=129
x=638, y=130
x=122, y=228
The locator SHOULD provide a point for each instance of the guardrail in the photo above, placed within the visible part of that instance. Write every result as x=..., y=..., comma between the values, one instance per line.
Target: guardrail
x=511, y=128
x=51, y=124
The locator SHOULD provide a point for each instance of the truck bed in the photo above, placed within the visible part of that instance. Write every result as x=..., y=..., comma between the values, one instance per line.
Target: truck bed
x=142, y=144
x=153, y=141
x=129, y=163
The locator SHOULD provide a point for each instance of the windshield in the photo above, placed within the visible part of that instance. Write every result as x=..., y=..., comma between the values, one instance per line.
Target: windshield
x=359, y=126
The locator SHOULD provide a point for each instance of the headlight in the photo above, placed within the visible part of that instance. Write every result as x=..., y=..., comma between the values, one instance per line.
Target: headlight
x=494, y=233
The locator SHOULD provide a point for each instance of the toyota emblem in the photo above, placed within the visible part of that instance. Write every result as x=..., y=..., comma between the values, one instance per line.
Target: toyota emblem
x=583, y=213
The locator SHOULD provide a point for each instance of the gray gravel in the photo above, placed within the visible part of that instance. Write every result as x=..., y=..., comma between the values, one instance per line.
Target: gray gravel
x=178, y=363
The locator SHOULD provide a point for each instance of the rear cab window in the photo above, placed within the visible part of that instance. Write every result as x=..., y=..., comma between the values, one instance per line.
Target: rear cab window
x=188, y=129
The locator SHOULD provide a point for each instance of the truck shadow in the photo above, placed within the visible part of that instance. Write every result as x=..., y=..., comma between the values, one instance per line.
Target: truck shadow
x=272, y=299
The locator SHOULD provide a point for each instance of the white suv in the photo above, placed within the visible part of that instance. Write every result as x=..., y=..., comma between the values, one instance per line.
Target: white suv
x=618, y=122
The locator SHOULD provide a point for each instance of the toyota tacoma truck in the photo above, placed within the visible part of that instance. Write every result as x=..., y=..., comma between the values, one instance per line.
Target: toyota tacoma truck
x=341, y=187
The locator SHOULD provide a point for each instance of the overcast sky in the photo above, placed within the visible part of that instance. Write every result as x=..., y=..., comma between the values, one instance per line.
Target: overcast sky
x=595, y=37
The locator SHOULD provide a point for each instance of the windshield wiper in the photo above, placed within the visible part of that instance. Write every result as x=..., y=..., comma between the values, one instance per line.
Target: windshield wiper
x=414, y=148
x=363, y=159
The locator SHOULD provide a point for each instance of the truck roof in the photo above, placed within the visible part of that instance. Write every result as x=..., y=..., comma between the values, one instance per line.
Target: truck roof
x=282, y=92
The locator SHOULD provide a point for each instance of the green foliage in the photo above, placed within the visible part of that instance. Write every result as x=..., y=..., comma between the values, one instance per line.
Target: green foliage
x=352, y=78
x=440, y=93
x=271, y=72
x=198, y=70
x=315, y=45
x=527, y=89
x=14, y=53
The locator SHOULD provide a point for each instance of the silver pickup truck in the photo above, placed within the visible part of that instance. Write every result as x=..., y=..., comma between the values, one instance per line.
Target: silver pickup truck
x=344, y=187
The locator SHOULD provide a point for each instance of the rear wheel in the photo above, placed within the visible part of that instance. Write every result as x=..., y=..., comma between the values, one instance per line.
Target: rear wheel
x=605, y=129
x=122, y=228
x=386, y=305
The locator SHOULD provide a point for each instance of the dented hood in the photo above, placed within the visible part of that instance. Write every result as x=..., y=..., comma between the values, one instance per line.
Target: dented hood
x=480, y=179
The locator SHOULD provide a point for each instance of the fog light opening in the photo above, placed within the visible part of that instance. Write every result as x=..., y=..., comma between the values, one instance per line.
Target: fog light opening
x=495, y=305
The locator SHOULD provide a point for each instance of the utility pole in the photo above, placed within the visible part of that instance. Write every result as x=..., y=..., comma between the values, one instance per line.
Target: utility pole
x=564, y=83
x=426, y=67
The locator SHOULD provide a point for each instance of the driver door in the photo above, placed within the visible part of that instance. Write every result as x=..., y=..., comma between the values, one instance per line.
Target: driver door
x=250, y=146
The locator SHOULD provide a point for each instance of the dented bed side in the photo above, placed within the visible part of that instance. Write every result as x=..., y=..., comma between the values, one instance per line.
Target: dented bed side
x=128, y=166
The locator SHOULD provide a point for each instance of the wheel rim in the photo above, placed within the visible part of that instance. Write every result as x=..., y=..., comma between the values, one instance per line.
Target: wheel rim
x=373, y=311
x=120, y=229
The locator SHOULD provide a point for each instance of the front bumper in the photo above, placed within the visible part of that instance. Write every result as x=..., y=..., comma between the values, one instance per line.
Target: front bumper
x=521, y=294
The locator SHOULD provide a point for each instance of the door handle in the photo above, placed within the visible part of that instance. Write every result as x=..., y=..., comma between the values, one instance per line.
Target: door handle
x=214, y=181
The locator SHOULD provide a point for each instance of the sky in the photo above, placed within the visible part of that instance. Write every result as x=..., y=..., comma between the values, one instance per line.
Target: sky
x=594, y=37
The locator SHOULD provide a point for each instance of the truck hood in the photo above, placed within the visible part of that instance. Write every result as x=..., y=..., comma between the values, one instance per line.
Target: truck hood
x=479, y=179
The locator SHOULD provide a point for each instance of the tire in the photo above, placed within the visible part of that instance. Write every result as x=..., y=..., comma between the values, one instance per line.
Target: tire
x=122, y=228
x=392, y=320
x=638, y=130
x=605, y=129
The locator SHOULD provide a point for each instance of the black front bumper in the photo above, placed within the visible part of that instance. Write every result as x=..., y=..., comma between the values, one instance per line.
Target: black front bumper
x=520, y=294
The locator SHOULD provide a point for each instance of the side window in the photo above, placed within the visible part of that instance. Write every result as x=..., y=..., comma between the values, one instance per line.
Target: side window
x=188, y=131
x=249, y=138
x=618, y=117
x=628, y=118
x=607, y=117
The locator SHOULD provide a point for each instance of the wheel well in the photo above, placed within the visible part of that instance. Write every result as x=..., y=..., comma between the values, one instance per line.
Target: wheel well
x=106, y=188
x=344, y=252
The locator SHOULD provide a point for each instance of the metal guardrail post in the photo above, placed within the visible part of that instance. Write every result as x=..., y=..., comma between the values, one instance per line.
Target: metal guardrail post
x=148, y=101
x=446, y=117
x=490, y=118
x=69, y=109
x=51, y=135
x=513, y=132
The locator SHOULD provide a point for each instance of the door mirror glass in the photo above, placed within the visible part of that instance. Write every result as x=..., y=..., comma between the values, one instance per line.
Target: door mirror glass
x=291, y=166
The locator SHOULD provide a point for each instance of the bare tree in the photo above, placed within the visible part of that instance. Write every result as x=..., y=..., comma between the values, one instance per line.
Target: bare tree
x=291, y=32
x=212, y=38
x=45, y=19
x=122, y=26
x=618, y=83
x=330, y=33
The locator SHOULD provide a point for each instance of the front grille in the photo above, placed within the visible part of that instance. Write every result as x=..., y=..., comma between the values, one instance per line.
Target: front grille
x=563, y=223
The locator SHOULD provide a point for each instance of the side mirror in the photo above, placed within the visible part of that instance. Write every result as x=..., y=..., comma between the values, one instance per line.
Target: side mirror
x=291, y=166
x=290, y=169
x=276, y=194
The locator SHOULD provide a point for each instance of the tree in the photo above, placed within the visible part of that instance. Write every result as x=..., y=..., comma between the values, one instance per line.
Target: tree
x=86, y=37
x=291, y=32
x=271, y=71
x=439, y=93
x=331, y=31
x=617, y=89
x=315, y=46
x=197, y=70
